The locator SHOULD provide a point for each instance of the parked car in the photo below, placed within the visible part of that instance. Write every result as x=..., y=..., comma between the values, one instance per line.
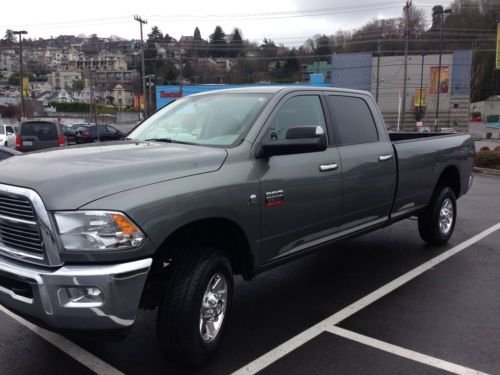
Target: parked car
x=89, y=133
x=7, y=136
x=38, y=135
x=6, y=153
x=232, y=182
x=69, y=133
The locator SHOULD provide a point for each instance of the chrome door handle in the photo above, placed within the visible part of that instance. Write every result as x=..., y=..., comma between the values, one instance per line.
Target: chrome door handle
x=328, y=167
x=384, y=157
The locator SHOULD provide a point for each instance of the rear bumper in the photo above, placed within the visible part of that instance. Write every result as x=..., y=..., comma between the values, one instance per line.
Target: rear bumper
x=42, y=294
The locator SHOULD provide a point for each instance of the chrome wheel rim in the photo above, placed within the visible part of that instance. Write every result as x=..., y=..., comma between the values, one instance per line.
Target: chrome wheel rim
x=446, y=214
x=213, y=307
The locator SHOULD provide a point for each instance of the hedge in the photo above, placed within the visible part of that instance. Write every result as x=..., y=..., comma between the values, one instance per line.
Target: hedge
x=488, y=159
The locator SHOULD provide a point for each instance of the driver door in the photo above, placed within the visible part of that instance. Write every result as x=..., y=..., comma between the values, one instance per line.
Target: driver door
x=300, y=193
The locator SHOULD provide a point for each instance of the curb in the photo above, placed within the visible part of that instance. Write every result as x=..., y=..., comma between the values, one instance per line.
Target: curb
x=487, y=171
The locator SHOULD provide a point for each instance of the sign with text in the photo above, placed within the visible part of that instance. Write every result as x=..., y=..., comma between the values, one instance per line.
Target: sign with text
x=419, y=98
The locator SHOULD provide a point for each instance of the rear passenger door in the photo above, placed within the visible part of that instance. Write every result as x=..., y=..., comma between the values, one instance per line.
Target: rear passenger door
x=369, y=167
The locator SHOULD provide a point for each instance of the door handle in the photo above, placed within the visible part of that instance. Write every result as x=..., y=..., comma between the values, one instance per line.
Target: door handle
x=384, y=157
x=328, y=167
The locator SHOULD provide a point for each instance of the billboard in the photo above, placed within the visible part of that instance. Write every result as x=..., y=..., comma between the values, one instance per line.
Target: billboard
x=444, y=80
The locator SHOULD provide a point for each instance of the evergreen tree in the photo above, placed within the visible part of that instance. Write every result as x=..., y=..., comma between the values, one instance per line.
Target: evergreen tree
x=236, y=45
x=155, y=35
x=196, y=34
x=218, y=45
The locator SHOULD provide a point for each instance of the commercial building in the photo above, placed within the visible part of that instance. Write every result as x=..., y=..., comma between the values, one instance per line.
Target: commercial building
x=384, y=78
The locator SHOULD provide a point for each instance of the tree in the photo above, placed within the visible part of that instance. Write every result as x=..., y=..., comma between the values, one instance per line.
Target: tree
x=9, y=37
x=323, y=48
x=268, y=48
x=236, y=44
x=196, y=34
x=78, y=85
x=218, y=45
x=155, y=35
x=15, y=78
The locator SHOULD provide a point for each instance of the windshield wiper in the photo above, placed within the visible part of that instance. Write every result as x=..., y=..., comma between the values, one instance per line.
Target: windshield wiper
x=168, y=140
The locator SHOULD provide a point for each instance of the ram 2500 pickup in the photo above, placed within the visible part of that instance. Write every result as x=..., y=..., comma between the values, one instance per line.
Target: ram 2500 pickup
x=225, y=183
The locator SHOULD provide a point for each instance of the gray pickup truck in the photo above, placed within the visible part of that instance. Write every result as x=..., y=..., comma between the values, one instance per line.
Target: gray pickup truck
x=225, y=183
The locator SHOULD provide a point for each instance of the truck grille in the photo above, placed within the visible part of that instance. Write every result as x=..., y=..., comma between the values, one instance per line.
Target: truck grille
x=19, y=231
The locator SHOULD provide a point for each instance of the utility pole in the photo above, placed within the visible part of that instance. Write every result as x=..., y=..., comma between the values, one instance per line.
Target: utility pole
x=21, y=33
x=379, y=52
x=406, y=9
x=150, y=85
x=439, y=11
x=142, y=22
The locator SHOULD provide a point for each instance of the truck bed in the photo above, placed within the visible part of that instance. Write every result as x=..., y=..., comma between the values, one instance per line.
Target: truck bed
x=421, y=158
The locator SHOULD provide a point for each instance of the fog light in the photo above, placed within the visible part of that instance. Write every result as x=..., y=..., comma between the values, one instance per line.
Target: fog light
x=80, y=296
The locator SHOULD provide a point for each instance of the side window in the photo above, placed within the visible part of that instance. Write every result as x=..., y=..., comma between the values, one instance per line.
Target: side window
x=10, y=130
x=353, y=119
x=297, y=111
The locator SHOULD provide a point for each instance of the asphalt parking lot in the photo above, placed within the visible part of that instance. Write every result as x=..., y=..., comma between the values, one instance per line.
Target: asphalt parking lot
x=382, y=303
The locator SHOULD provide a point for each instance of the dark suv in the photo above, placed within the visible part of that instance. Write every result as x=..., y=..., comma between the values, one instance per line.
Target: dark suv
x=88, y=133
x=38, y=135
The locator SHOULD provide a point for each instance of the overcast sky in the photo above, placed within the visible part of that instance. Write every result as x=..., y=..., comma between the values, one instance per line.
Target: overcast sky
x=289, y=22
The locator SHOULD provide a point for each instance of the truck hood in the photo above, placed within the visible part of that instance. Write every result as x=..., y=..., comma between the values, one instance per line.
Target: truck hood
x=71, y=177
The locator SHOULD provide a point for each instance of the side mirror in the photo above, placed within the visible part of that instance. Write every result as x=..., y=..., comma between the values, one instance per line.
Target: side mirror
x=298, y=140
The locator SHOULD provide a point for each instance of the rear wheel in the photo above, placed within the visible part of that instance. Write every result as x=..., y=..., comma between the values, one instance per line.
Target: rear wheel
x=196, y=305
x=437, y=223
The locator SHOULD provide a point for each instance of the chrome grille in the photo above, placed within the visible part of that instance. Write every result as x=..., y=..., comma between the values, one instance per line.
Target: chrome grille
x=19, y=230
x=17, y=207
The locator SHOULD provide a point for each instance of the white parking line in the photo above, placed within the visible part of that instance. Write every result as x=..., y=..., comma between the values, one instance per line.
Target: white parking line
x=298, y=340
x=70, y=348
x=406, y=353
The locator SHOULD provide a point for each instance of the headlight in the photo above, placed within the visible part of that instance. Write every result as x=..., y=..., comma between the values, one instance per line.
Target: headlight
x=97, y=230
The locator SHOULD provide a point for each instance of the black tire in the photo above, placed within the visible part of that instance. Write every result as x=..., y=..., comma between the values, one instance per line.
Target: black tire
x=429, y=221
x=178, y=324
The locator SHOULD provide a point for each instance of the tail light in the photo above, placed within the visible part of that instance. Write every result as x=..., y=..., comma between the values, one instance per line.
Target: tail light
x=19, y=142
x=86, y=134
x=60, y=140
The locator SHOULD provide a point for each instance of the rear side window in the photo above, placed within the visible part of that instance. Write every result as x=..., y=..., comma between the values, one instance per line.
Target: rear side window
x=44, y=131
x=353, y=119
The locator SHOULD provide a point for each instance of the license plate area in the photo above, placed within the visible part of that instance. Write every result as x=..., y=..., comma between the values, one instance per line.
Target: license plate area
x=27, y=143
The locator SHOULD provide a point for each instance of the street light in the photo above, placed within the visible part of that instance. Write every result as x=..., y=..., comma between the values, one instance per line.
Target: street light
x=439, y=11
x=20, y=33
x=142, y=22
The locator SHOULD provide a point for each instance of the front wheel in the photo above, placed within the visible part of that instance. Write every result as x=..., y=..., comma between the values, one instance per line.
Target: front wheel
x=437, y=223
x=196, y=306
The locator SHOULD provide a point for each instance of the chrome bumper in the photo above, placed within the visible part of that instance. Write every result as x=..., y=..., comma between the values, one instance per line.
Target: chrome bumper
x=42, y=293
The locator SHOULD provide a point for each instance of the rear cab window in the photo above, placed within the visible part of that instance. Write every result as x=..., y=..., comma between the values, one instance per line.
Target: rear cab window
x=352, y=119
x=44, y=131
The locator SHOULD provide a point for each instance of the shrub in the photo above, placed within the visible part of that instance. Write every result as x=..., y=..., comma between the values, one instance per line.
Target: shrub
x=488, y=159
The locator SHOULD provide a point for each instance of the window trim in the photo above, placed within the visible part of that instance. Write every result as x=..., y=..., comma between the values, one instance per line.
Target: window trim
x=334, y=121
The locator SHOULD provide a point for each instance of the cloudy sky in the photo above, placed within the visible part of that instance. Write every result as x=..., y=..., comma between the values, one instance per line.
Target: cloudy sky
x=288, y=22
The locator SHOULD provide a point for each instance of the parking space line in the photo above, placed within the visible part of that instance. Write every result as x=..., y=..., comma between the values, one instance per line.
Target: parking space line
x=304, y=336
x=403, y=352
x=70, y=348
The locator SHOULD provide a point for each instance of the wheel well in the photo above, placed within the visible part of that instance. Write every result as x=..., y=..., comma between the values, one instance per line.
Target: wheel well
x=219, y=233
x=450, y=177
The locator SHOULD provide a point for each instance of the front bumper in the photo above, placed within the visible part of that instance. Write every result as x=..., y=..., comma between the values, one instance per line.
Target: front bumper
x=40, y=293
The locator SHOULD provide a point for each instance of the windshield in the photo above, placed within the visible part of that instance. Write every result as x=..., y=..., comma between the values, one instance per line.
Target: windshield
x=2, y=131
x=213, y=120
